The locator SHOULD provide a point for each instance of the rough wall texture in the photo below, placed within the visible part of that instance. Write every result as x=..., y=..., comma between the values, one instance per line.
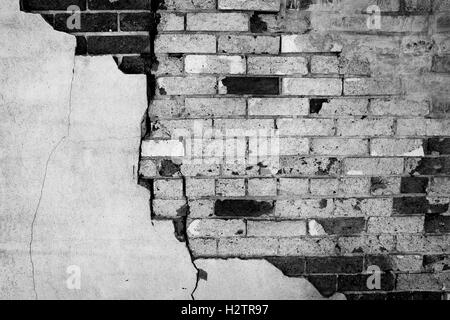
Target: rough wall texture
x=344, y=161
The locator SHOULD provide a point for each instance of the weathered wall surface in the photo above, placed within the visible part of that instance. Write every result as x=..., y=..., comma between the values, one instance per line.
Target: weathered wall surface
x=70, y=137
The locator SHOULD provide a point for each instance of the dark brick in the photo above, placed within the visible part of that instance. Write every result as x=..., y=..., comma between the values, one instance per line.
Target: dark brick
x=436, y=263
x=343, y=226
x=358, y=282
x=135, y=65
x=443, y=23
x=256, y=24
x=441, y=107
x=242, y=208
x=43, y=5
x=120, y=5
x=437, y=146
x=441, y=64
x=252, y=85
x=415, y=296
x=90, y=22
x=290, y=266
x=414, y=185
x=315, y=105
x=81, y=48
x=118, y=44
x=432, y=166
x=167, y=168
x=437, y=224
x=417, y=205
x=136, y=21
x=377, y=184
x=326, y=285
x=334, y=265
x=384, y=262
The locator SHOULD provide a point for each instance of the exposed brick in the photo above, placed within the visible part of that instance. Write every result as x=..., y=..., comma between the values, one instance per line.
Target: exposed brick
x=277, y=65
x=387, y=263
x=380, y=186
x=171, y=21
x=312, y=86
x=201, y=208
x=203, y=247
x=119, y=5
x=339, y=107
x=248, y=86
x=370, y=86
x=136, y=21
x=417, y=205
x=230, y=187
x=373, y=166
x=428, y=166
x=338, y=226
x=293, y=146
x=214, y=107
x=396, y=147
x=196, y=188
x=168, y=189
x=400, y=107
x=423, y=281
x=42, y=5
x=393, y=225
x=359, y=282
x=334, y=265
x=437, y=146
x=290, y=266
x=188, y=4
x=185, y=43
x=169, y=208
x=365, y=127
x=243, y=44
x=339, y=147
x=276, y=229
x=97, y=22
x=306, y=127
x=215, y=64
x=356, y=207
x=437, y=224
x=423, y=244
x=118, y=44
x=256, y=5
x=439, y=186
x=247, y=247
x=293, y=187
x=262, y=187
x=187, y=85
x=217, y=21
x=215, y=228
x=325, y=65
x=309, y=166
x=306, y=247
x=312, y=42
x=366, y=244
x=278, y=106
x=306, y=208
x=325, y=284
x=414, y=185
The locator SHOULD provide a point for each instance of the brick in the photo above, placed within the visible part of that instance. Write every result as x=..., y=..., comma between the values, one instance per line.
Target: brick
x=293, y=147
x=81, y=48
x=423, y=281
x=417, y=205
x=230, y=187
x=182, y=5
x=215, y=64
x=325, y=64
x=196, y=188
x=278, y=106
x=243, y=208
x=359, y=282
x=312, y=86
x=203, y=170
x=171, y=21
x=247, y=247
x=378, y=225
x=98, y=45
x=423, y=127
x=255, y=5
x=339, y=107
x=203, y=247
x=147, y=168
x=414, y=185
x=396, y=147
x=428, y=244
x=214, y=228
x=243, y=44
x=209, y=21
x=277, y=65
x=167, y=65
x=354, y=186
x=310, y=43
x=293, y=187
x=168, y=189
x=328, y=265
x=400, y=107
x=290, y=266
x=276, y=229
x=437, y=146
x=186, y=85
x=306, y=127
x=214, y=107
x=365, y=127
x=436, y=263
x=339, y=147
x=306, y=247
x=337, y=226
x=136, y=21
x=249, y=86
x=373, y=166
x=305, y=208
x=368, y=244
x=437, y=224
x=248, y=124
x=356, y=207
x=169, y=208
x=201, y=208
x=185, y=43
x=162, y=148
x=439, y=186
x=381, y=186
x=297, y=165
x=262, y=187
x=371, y=86
x=134, y=65
x=119, y=5
x=324, y=187
x=44, y=5
x=427, y=166
x=97, y=22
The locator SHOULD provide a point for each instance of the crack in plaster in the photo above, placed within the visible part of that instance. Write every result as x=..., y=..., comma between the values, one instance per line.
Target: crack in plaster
x=53, y=151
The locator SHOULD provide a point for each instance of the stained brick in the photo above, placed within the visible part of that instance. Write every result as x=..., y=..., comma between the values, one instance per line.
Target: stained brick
x=437, y=224
x=417, y=205
x=414, y=185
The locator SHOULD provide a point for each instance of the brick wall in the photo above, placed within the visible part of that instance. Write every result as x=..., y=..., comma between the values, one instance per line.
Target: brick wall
x=295, y=132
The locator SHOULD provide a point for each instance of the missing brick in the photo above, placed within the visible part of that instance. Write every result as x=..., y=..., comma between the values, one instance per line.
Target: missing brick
x=243, y=208
x=256, y=24
x=315, y=105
